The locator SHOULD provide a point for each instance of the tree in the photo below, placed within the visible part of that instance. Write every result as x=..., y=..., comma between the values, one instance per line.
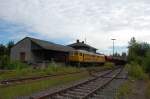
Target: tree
x=132, y=42
x=5, y=54
x=124, y=55
x=9, y=46
x=139, y=52
x=133, y=45
x=2, y=50
x=117, y=54
x=146, y=62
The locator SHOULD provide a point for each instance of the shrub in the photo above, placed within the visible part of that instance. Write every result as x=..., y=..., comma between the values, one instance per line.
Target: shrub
x=54, y=68
x=146, y=62
x=124, y=91
x=109, y=65
x=4, y=61
x=136, y=71
x=16, y=65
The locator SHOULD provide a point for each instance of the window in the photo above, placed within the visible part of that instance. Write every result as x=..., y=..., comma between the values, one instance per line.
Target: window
x=72, y=53
x=80, y=54
x=76, y=53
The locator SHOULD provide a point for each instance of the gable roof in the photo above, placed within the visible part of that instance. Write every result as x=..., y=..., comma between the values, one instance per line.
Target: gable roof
x=81, y=44
x=50, y=45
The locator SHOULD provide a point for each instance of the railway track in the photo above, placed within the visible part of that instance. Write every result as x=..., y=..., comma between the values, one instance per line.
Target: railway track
x=21, y=80
x=8, y=82
x=83, y=90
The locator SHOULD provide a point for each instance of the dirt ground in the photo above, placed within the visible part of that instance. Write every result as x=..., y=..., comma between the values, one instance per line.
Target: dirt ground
x=138, y=90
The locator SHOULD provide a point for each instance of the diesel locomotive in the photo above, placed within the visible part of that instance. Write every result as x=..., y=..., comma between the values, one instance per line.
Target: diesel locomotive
x=85, y=57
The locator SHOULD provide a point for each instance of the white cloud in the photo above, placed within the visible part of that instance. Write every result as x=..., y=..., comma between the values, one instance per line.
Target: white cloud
x=98, y=20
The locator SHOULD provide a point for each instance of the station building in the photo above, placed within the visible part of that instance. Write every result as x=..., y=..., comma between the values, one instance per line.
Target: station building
x=82, y=46
x=32, y=50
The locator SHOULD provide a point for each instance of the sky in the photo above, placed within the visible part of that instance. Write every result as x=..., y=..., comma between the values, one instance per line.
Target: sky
x=64, y=21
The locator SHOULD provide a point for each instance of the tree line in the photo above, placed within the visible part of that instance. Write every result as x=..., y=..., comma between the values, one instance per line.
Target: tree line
x=5, y=51
x=139, y=53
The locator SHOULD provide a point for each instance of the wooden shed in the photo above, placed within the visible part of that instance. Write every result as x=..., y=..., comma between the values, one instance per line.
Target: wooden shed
x=33, y=50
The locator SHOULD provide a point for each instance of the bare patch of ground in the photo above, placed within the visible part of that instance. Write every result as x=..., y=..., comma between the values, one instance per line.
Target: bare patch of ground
x=138, y=90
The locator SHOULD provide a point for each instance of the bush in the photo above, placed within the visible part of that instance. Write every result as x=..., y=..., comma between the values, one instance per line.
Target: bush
x=136, y=71
x=16, y=65
x=124, y=91
x=109, y=65
x=4, y=61
x=54, y=68
x=146, y=62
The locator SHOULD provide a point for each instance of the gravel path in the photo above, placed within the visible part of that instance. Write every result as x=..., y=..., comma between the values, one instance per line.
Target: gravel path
x=111, y=90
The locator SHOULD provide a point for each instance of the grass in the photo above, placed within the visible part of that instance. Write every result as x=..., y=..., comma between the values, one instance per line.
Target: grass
x=124, y=91
x=109, y=65
x=29, y=72
x=36, y=86
x=136, y=72
x=52, y=68
x=148, y=90
x=29, y=88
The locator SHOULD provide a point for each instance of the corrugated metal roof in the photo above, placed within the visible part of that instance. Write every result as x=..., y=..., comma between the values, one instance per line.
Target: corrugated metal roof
x=51, y=46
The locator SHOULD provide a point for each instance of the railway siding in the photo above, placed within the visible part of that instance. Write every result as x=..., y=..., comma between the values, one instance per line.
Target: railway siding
x=14, y=81
x=19, y=80
x=111, y=90
x=86, y=88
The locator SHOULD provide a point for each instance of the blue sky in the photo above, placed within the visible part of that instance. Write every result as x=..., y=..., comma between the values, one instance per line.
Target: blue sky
x=10, y=31
x=64, y=21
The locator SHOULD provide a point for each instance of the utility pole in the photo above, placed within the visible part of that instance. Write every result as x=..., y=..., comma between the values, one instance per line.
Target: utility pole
x=85, y=38
x=113, y=45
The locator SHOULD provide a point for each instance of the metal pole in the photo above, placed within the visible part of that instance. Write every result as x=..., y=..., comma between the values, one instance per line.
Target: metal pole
x=113, y=45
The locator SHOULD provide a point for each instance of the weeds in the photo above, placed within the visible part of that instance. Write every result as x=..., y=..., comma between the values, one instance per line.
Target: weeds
x=109, y=65
x=124, y=91
x=148, y=91
x=12, y=92
x=26, y=71
x=136, y=71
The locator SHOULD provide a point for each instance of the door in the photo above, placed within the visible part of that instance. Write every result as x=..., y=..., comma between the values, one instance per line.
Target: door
x=22, y=56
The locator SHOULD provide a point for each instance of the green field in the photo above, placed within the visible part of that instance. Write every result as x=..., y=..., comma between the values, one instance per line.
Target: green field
x=35, y=86
x=52, y=69
x=31, y=87
x=29, y=72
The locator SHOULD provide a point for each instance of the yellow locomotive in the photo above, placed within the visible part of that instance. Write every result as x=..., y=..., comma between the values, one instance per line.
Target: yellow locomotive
x=81, y=56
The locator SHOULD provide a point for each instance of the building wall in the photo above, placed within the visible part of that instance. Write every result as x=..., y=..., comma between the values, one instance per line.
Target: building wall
x=37, y=56
x=22, y=46
x=34, y=53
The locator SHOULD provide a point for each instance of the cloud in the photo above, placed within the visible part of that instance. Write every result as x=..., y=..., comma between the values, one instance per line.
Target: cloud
x=65, y=20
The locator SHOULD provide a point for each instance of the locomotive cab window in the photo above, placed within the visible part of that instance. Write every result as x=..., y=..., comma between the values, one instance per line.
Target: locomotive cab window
x=72, y=53
x=76, y=53
x=80, y=54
